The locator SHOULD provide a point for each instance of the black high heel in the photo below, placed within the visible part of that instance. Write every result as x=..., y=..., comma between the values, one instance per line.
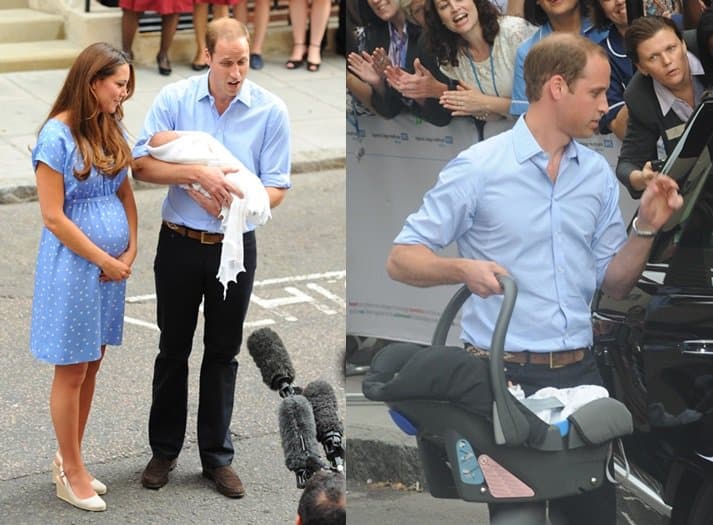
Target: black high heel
x=294, y=64
x=165, y=69
x=313, y=67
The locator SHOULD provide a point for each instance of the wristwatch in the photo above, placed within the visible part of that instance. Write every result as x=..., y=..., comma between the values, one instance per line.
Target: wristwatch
x=641, y=233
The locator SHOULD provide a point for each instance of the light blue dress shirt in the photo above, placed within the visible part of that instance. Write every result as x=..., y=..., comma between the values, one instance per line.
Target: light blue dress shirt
x=496, y=201
x=519, y=103
x=255, y=128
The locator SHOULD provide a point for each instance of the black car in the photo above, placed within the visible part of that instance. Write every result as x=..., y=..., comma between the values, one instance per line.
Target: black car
x=655, y=348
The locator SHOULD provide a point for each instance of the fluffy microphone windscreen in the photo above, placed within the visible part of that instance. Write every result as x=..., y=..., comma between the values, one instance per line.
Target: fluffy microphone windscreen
x=297, y=432
x=324, y=406
x=271, y=357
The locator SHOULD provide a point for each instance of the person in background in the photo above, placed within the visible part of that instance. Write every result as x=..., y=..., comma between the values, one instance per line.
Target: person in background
x=261, y=18
x=302, y=50
x=323, y=501
x=660, y=98
x=131, y=10
x=611, y=15
x=388, y=40
x=220, y=8
x=558, y=16
x=87, y=248
x=475, y=45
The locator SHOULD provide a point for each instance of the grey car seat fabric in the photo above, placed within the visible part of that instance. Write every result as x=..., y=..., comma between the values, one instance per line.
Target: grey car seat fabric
x=405, y=371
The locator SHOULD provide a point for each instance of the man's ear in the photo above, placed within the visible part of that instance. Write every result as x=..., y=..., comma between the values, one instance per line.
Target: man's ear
x=557, y=86
x=298, y=520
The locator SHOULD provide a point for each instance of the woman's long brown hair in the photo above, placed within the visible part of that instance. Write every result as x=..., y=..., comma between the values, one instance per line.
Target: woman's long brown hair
x=99, y=136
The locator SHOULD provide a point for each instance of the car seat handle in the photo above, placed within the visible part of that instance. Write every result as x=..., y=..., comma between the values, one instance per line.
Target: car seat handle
x=509, y=423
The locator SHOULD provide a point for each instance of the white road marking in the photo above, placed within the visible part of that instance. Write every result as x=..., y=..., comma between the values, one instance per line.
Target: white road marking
x=139, y=322
x=275, y=305
x=326, y=293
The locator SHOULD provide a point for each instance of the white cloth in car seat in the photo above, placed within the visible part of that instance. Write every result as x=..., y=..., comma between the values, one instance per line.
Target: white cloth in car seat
x=198, y=147
x=561, y=402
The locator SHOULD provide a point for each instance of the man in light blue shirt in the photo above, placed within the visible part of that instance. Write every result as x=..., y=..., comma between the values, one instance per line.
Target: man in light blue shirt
x=566, y=16
x=252, y=123
x=535, y=204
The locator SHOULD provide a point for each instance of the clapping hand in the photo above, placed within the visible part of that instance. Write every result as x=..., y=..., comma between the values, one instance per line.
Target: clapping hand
x=418, y=86
x=362, y=65
x=465, y=101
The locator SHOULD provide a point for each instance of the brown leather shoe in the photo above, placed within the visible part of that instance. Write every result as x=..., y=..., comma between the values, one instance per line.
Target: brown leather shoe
x=155, y=474
x=226, y=481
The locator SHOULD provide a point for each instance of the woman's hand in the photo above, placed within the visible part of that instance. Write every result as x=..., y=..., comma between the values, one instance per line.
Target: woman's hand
x=419, y=86
x=362, y=65
x=465, y=101
x=114, y=269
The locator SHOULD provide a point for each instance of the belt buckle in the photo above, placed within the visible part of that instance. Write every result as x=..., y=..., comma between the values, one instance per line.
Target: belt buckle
x=203, y=241
x=552, y=364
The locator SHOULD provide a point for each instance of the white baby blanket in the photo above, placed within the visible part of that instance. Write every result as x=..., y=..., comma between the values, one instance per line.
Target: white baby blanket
x=198, y=147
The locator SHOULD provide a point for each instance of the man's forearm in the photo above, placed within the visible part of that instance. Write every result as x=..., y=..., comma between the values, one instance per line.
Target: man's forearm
x=148, y=169
x=626, y=267
x=417, y=265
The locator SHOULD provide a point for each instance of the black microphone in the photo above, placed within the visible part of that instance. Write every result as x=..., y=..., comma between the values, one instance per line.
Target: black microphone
x=330, y=430
x=270, y=356
x=299, y=439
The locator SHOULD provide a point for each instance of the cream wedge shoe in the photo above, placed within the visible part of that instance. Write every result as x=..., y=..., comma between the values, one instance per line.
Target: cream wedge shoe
x=97, y=485
x=64, y=492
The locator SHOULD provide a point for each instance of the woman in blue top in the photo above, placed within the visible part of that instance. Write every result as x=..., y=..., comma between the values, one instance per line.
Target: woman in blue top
x=611, y=15
x=86, y=250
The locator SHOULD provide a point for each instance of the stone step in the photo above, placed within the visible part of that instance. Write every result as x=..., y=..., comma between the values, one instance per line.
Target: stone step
x=27, y=25
x=31, y=56
x=14, y=4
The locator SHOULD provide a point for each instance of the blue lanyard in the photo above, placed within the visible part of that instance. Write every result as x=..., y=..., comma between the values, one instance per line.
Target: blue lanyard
x=475, y=72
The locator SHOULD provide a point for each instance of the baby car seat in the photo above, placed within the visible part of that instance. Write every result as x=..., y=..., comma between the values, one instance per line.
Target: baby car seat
x=476, y=441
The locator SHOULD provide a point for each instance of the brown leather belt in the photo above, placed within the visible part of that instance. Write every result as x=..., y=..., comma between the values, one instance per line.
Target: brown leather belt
x=550, y=359
x=198, y=235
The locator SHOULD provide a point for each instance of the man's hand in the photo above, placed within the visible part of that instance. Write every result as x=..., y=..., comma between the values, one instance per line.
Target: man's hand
x=209, y=204
x=659, y=201
x=213, y=181
x=481, y=277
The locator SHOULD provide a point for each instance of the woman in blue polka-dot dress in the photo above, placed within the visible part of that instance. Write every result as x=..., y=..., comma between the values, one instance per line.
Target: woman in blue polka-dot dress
x=86, y=250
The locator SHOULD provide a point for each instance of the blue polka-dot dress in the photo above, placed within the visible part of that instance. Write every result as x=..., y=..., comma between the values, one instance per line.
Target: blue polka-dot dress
x=73, y=313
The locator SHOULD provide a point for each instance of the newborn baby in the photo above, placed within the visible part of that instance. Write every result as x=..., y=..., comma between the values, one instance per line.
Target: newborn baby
x=198, y=147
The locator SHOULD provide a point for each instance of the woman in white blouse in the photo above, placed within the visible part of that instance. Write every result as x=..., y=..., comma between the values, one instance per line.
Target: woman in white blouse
x=475, y=45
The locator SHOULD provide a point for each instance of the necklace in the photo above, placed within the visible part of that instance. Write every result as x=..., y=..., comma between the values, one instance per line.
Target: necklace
x=475, y=71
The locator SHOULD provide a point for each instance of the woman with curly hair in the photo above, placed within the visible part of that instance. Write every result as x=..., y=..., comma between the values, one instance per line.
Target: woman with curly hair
x=475, y=45
x=87, y=247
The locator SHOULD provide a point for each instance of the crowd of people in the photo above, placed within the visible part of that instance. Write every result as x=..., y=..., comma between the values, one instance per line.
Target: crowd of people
x=441, y=59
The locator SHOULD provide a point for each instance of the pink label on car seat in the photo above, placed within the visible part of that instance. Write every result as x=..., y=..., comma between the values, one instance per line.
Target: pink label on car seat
x=501, y=482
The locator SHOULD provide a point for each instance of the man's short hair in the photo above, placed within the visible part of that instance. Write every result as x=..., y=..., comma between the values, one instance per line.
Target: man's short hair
x=224, y=28
x=323, y=501
x=561, y=54
x=644, y=28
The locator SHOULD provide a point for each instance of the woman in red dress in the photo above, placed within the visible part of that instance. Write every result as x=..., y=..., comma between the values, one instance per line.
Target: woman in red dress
x=169, y=11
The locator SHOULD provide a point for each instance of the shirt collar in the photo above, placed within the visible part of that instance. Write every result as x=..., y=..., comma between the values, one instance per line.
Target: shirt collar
x=664, y=95
x=244, y=95
x=526, y=145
